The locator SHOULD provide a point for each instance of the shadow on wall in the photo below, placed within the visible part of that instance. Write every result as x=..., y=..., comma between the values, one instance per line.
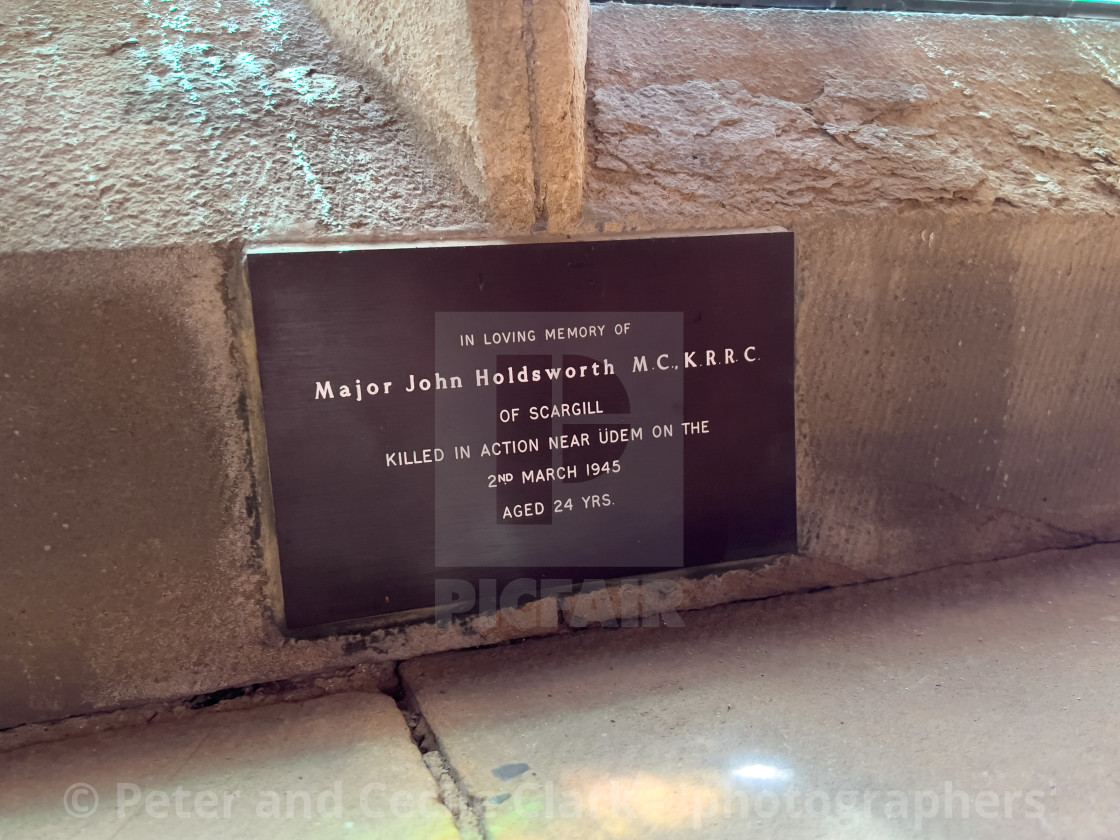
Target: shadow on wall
x=955, y=384
x=120, y=454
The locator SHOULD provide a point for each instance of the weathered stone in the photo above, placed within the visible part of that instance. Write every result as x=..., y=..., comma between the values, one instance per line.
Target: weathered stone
x=557, y=58
x=497, y=86
x=721, y=118
x=703, y=141
x=337, y=767
x=874, y=711
x=865, y=100
x=130, y=124
x=434, y=60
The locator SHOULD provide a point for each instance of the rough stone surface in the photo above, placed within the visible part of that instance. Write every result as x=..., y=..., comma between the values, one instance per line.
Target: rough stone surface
x=505, y=109
x=557, y=61
x=430, y=57
x=148, y=123
x=726, y=118
x=461, y=68
x=994, y=680
x=343, y=766
x=498, y=87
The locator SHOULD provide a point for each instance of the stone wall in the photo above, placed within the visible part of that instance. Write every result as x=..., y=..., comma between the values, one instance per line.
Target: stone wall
x=143, y=144
x=954, y=186
x=952, y=183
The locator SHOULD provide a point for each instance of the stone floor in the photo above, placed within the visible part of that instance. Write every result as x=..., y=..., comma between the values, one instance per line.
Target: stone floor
x=972, y=702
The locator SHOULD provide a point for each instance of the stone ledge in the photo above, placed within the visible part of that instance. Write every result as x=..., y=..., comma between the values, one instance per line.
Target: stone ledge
x=132, y=124
x=722, y=118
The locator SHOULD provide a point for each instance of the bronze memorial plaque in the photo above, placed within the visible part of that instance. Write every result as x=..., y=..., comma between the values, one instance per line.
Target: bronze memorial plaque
x=447, y=422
